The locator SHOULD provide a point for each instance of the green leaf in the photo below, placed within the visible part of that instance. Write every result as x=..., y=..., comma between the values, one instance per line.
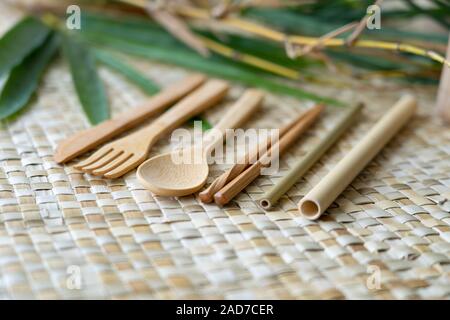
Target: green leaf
x=215, y=65
x=24, y=78
x=88, y=85
x=367, y=62
x=432, y=15
x=315, y=25
x=205, y=123
x=20, y=41
x=128, y=71
x=264, y=49
x=146, y=32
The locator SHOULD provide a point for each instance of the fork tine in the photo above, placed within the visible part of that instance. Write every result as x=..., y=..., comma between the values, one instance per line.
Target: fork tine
x=128, y=165
x=112, y=165
x=103, y=161
x=94, y=157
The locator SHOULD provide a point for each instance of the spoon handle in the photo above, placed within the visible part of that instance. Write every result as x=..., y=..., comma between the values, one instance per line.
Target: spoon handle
x=236, y=115
x=201, y=99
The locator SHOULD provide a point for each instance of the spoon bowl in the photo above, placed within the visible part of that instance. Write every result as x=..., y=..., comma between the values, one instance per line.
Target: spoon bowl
x=166, y=177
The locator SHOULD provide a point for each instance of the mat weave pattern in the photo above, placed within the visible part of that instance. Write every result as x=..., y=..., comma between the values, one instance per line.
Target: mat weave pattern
x=66, y=235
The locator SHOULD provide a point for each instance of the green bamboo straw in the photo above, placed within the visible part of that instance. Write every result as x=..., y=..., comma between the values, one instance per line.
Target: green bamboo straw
x=306, y=162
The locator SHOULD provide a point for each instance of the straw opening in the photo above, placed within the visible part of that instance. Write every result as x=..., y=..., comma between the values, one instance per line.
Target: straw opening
x=265, y=204
x=309, y=208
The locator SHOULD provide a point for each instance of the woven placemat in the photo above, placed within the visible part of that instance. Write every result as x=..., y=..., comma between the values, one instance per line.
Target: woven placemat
x=64, y=234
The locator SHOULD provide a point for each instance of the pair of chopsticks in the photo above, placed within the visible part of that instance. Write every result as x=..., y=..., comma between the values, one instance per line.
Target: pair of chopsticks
x=234, y=180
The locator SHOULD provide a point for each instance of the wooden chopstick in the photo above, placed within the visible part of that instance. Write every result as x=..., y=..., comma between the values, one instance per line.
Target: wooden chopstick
x=207, y=195
x=231, y=189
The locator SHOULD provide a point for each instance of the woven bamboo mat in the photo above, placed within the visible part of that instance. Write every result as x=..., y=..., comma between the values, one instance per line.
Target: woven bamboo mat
x=64, y=234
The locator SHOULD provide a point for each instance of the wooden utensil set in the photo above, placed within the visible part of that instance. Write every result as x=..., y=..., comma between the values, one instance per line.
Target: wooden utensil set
x=192, y=96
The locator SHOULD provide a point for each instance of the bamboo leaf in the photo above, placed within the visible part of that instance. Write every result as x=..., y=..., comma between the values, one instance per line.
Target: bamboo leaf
x=20, y=41
x=215, y=65
x=435, y=17
x=24, y=78
x=316, y=25
x=262, y=48
x=145, y=32
x=145, y=84
x=135, y=36
x=88, y=85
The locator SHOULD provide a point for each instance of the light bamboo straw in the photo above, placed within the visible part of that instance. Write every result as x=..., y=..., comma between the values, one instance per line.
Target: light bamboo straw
x=230, y=190
x=271, y=197
x=207, y=195
x=323, y=194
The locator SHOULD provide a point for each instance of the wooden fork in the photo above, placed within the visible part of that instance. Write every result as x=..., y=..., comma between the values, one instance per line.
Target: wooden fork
x=88, y=139
x=117, y=158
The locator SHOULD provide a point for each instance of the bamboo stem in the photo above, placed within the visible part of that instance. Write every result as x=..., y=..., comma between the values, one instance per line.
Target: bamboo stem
x=333, y=34
x=277, y=36
x=292, y=40
x=249, y=59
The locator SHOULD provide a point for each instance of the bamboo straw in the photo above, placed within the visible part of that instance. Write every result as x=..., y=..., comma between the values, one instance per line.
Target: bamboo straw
x=323, y=194
x=207, y=195
x=227, y=193
x=304, y=164
x=443, y=98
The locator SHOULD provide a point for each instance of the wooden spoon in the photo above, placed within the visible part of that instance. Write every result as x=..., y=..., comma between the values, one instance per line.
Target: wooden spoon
x=120, y=156
x=166, y=177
